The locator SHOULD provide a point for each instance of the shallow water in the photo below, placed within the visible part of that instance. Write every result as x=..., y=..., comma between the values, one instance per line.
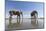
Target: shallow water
x=26, y=24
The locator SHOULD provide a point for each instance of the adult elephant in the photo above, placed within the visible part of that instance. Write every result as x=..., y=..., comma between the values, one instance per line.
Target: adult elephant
x=34, y=17
x=15, y=13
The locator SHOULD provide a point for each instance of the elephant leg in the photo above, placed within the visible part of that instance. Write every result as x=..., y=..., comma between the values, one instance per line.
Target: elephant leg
x=22, y=18
x=17, y=19
x=10, y=20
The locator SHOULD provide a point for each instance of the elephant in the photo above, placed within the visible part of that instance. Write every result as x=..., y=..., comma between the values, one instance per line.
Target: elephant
x=34, y=17
x=15, y=13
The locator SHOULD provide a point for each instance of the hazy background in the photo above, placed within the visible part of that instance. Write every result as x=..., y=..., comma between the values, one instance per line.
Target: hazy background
x=25, y=7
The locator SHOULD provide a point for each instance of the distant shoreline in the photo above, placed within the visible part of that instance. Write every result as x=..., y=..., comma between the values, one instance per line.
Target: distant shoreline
x=25, y=18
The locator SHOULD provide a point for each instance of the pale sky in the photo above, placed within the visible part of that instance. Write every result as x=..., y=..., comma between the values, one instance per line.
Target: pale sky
x=26, y=7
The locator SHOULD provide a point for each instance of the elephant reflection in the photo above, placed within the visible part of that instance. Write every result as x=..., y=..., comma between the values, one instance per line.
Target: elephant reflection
x=34, y=17
x=15, y=13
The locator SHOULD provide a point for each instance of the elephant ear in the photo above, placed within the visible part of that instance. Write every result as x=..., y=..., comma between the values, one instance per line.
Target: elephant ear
x=10, y=12
x=33, y=13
